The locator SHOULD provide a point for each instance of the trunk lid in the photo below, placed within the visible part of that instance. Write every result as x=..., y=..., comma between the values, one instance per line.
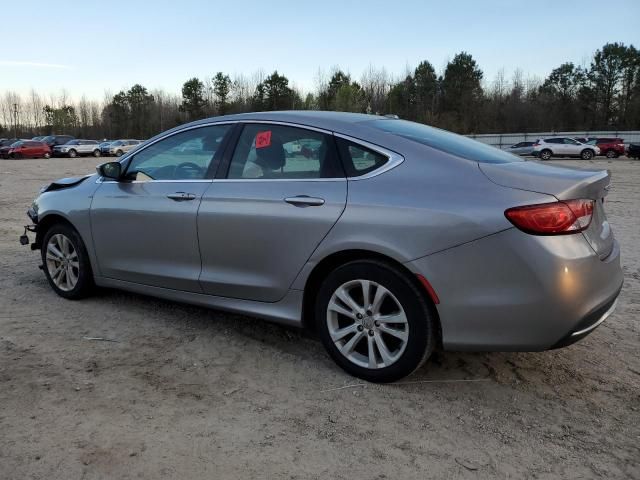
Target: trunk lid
x=564, y=183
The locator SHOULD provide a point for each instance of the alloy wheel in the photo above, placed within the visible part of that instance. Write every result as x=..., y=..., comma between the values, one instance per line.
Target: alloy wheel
x=62, y=262
x=367, y=324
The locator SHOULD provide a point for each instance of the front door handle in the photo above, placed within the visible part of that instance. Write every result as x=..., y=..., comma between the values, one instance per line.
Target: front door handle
x=305, y=201
x=181, y=196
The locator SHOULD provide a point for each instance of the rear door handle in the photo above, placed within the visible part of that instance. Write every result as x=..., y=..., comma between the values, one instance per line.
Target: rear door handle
x=181, y=196
x=305, y=201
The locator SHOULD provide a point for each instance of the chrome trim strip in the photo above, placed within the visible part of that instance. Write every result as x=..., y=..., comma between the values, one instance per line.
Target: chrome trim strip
x=395, y=159
x=206, y=180
x=604, y=316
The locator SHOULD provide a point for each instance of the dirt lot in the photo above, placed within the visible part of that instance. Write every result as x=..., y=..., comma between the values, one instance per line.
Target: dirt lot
x=184, y=392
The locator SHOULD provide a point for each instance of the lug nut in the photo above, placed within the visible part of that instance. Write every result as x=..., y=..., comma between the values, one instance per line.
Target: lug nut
x=371, y=333
x=360, y=328
x=376, y=323
x=369, y=313
x=359, y=316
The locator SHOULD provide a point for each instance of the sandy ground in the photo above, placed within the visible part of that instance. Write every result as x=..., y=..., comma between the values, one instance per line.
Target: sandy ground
x=185, y=392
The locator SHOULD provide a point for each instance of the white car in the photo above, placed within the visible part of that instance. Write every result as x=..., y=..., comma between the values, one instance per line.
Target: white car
x=545, y=148
x=76, y=147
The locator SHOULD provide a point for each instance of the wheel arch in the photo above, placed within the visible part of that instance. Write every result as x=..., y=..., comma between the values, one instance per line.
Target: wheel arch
x=46, y=222
x=336, y=259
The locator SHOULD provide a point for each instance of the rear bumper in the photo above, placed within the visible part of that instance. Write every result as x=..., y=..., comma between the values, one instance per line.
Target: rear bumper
x=516, y=292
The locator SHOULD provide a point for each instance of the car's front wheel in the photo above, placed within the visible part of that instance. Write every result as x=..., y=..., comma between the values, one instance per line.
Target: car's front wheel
x=586, y=154
x=72, y=153
x=119, y=153
x=66, y=263
x=96, y=153
x=374, y=321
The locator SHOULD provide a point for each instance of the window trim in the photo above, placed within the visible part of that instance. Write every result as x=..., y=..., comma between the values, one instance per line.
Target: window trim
x=394, y=159
x=225, y=164
x=208, y=175
x=230, y=142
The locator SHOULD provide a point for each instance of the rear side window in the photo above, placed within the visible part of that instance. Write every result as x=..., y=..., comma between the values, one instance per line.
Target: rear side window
x=444, y=141
x=266, y=151
x=359, y=160
x=554, y=140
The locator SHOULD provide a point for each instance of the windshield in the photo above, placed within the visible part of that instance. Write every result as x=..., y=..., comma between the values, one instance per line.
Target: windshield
x=117, y=143
x=445, y=141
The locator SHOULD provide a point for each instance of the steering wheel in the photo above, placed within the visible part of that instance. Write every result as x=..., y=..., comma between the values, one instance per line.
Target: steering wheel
x=191, y=170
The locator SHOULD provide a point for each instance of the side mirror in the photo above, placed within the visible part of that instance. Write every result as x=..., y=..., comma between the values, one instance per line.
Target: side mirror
x=111, y=170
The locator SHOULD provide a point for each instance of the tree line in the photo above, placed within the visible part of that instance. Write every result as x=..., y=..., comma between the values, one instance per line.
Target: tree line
x=603, y=95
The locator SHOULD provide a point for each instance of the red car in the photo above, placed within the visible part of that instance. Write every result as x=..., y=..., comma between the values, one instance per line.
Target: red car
x=26, y=149
x=610, y=147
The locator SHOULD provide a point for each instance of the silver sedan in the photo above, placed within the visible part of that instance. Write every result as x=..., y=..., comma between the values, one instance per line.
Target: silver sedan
x=389, y=238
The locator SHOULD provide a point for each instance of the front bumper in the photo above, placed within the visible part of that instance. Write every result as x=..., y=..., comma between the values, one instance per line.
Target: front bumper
x=517, y=292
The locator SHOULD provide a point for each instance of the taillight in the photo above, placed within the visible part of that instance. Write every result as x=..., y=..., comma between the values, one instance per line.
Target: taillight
x=556, y=218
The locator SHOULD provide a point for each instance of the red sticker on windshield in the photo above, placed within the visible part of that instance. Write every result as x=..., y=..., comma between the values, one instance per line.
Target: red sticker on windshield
x=263, y=139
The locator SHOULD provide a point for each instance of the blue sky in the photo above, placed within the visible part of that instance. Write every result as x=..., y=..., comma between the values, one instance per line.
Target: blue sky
x=89, y=46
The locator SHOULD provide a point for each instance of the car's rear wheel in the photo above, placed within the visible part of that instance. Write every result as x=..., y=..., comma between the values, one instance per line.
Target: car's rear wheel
x=611, y=154
x=66, y=263
x=374, y=321
x=545, y=154
x=72, y=153
x=586, y=154
x=96, y=153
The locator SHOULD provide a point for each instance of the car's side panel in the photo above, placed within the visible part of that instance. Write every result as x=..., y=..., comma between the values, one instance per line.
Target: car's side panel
x=286, y=311
x=253, y=243
x=429, y=203
x=141, y=235
x=72, y=204
x=516, y=292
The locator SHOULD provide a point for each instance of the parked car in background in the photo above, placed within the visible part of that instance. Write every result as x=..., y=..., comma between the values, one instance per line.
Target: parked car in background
x=38, y=138
x=522, y=148
x=6, y=142
x=77, y=147
x=634, y=151
x=545, y=148
x=610, y=147
x=26, y=149
x=120, y=147
x=53, y=140
x=368, y=235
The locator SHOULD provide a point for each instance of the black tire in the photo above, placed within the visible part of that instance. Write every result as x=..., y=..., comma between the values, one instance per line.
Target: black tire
x=96, y=153
x=72, y=153
x=84, y=284
x=421, y=323
x=611, y=154
x=119, y=153
x=546, y=154
x=586, y=154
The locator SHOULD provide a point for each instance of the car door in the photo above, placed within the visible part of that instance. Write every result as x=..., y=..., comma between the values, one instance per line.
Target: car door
x=571, y=147
x=281, y=191
x=144, y=226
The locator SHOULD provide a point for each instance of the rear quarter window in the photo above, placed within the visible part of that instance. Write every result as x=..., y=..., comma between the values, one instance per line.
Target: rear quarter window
x=444, y=141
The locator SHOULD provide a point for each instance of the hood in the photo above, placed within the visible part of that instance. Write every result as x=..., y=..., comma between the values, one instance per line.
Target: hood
x=64, y=183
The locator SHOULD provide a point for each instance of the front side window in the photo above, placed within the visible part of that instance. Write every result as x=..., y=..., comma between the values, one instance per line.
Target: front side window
x=267, y=151
x=184, y=156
